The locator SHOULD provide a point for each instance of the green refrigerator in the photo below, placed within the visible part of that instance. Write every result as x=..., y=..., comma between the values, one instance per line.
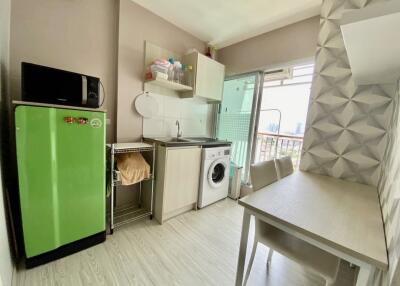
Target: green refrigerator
x=62, y=185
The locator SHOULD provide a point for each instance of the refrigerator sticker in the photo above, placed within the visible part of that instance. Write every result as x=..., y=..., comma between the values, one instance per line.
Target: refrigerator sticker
x=96, y=123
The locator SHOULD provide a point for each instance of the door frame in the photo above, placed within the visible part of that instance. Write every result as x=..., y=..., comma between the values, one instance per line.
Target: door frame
x=254, y=116
x=256, y=108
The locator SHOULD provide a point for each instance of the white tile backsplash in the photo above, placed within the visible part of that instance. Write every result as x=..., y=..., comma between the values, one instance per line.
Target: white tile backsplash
x=171, y=107
x=153, y=127
x=187, y=109
x=192, y=114
x=193, y=127
x=170, y=127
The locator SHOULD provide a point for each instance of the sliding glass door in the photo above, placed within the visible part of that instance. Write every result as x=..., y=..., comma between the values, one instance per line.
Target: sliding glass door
x=263, y=114
x=237, y=116
x=283, y=113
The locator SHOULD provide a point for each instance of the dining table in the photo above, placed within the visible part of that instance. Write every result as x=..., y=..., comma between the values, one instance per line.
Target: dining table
x=341, y=217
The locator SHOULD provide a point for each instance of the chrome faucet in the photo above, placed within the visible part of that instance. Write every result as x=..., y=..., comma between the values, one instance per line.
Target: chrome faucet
x=179, y=134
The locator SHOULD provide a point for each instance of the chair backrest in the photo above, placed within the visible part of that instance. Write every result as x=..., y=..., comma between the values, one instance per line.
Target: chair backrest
x=284, y=166
x=263, y=174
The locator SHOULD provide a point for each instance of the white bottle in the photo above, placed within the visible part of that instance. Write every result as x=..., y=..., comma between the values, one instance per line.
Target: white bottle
x=171, y=70
x=177, y=71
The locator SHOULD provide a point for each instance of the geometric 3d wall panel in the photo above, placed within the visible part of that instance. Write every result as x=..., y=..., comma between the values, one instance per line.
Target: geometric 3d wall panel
x=346, y=131
x=389, y=192
x=353, y=132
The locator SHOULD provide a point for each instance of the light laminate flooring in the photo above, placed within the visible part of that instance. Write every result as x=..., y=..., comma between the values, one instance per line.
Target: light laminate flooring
x=196, y=248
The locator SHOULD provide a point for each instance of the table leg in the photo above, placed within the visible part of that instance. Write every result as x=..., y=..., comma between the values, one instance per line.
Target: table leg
x=243, y=248
x=364, y=277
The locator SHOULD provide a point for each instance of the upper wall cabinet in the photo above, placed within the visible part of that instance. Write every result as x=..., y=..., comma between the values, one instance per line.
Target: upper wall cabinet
x=208, y=77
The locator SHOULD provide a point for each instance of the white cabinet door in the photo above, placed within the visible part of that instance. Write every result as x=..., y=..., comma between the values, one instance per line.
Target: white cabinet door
x=181, y=180
x=209, y=78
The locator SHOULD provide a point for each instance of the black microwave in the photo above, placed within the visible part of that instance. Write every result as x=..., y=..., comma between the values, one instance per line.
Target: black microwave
x=54, y=86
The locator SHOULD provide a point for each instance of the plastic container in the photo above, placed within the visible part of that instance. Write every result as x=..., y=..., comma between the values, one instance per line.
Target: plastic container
x=182, y=79
x=177, y=71
x=235, y=181
x=189, y=75
x=157, y=70
x=171, y=68
x=160, y=75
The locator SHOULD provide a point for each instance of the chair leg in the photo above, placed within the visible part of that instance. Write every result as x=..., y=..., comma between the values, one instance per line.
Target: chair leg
x=269, y=259
x=253, y=254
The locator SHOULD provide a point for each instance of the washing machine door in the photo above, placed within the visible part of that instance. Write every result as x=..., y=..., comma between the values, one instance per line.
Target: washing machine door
x=217, y=173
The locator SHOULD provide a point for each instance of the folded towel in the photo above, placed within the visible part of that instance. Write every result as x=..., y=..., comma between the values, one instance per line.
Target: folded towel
x=133, y=168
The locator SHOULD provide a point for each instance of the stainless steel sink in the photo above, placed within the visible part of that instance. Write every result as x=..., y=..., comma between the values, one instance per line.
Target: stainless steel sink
x=183, y=140
x=175, y=140
x=192, y=139
x=186, y=141
x=199, y=139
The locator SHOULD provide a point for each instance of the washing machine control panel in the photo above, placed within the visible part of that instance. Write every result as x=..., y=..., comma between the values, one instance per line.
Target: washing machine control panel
x=218, y=154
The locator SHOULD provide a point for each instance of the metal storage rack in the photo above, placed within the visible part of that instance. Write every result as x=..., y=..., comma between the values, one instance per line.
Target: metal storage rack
x=118, y=217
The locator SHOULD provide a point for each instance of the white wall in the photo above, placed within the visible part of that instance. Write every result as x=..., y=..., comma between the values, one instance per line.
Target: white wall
x=6, y=267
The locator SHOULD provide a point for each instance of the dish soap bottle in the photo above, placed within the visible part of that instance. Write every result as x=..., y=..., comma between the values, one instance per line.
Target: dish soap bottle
x=189, y=75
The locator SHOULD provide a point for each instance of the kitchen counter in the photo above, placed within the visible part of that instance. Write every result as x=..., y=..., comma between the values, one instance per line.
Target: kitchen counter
x=187, y=141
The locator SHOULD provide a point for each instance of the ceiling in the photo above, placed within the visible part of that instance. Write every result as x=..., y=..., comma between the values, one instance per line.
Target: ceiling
x=222, y=23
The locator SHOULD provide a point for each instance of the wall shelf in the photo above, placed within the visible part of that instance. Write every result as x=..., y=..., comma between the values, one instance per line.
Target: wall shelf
x=169, y=84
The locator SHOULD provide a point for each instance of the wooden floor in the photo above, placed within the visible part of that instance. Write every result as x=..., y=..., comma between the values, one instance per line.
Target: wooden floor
x=197, y=248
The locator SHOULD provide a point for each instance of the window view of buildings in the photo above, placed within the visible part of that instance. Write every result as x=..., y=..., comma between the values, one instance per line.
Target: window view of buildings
x=283, y=114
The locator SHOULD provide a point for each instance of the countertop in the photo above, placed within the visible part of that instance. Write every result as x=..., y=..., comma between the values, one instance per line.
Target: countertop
x=187, y=141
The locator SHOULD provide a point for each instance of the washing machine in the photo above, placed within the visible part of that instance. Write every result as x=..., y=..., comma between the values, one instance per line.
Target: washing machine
x=214, y=180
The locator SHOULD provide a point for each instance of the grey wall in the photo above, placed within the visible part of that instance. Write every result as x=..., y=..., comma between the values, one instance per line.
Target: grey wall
x=289, y=44
x=95, y=37
x=353, y=132
x=6, y=266
x=80, y=36
x=104, y=38
x=137, y=25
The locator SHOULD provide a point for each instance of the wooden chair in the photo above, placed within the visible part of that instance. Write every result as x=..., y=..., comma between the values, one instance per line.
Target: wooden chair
x=310, y=257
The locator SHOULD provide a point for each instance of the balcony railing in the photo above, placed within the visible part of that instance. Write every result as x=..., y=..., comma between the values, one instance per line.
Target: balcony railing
x=271, y=146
